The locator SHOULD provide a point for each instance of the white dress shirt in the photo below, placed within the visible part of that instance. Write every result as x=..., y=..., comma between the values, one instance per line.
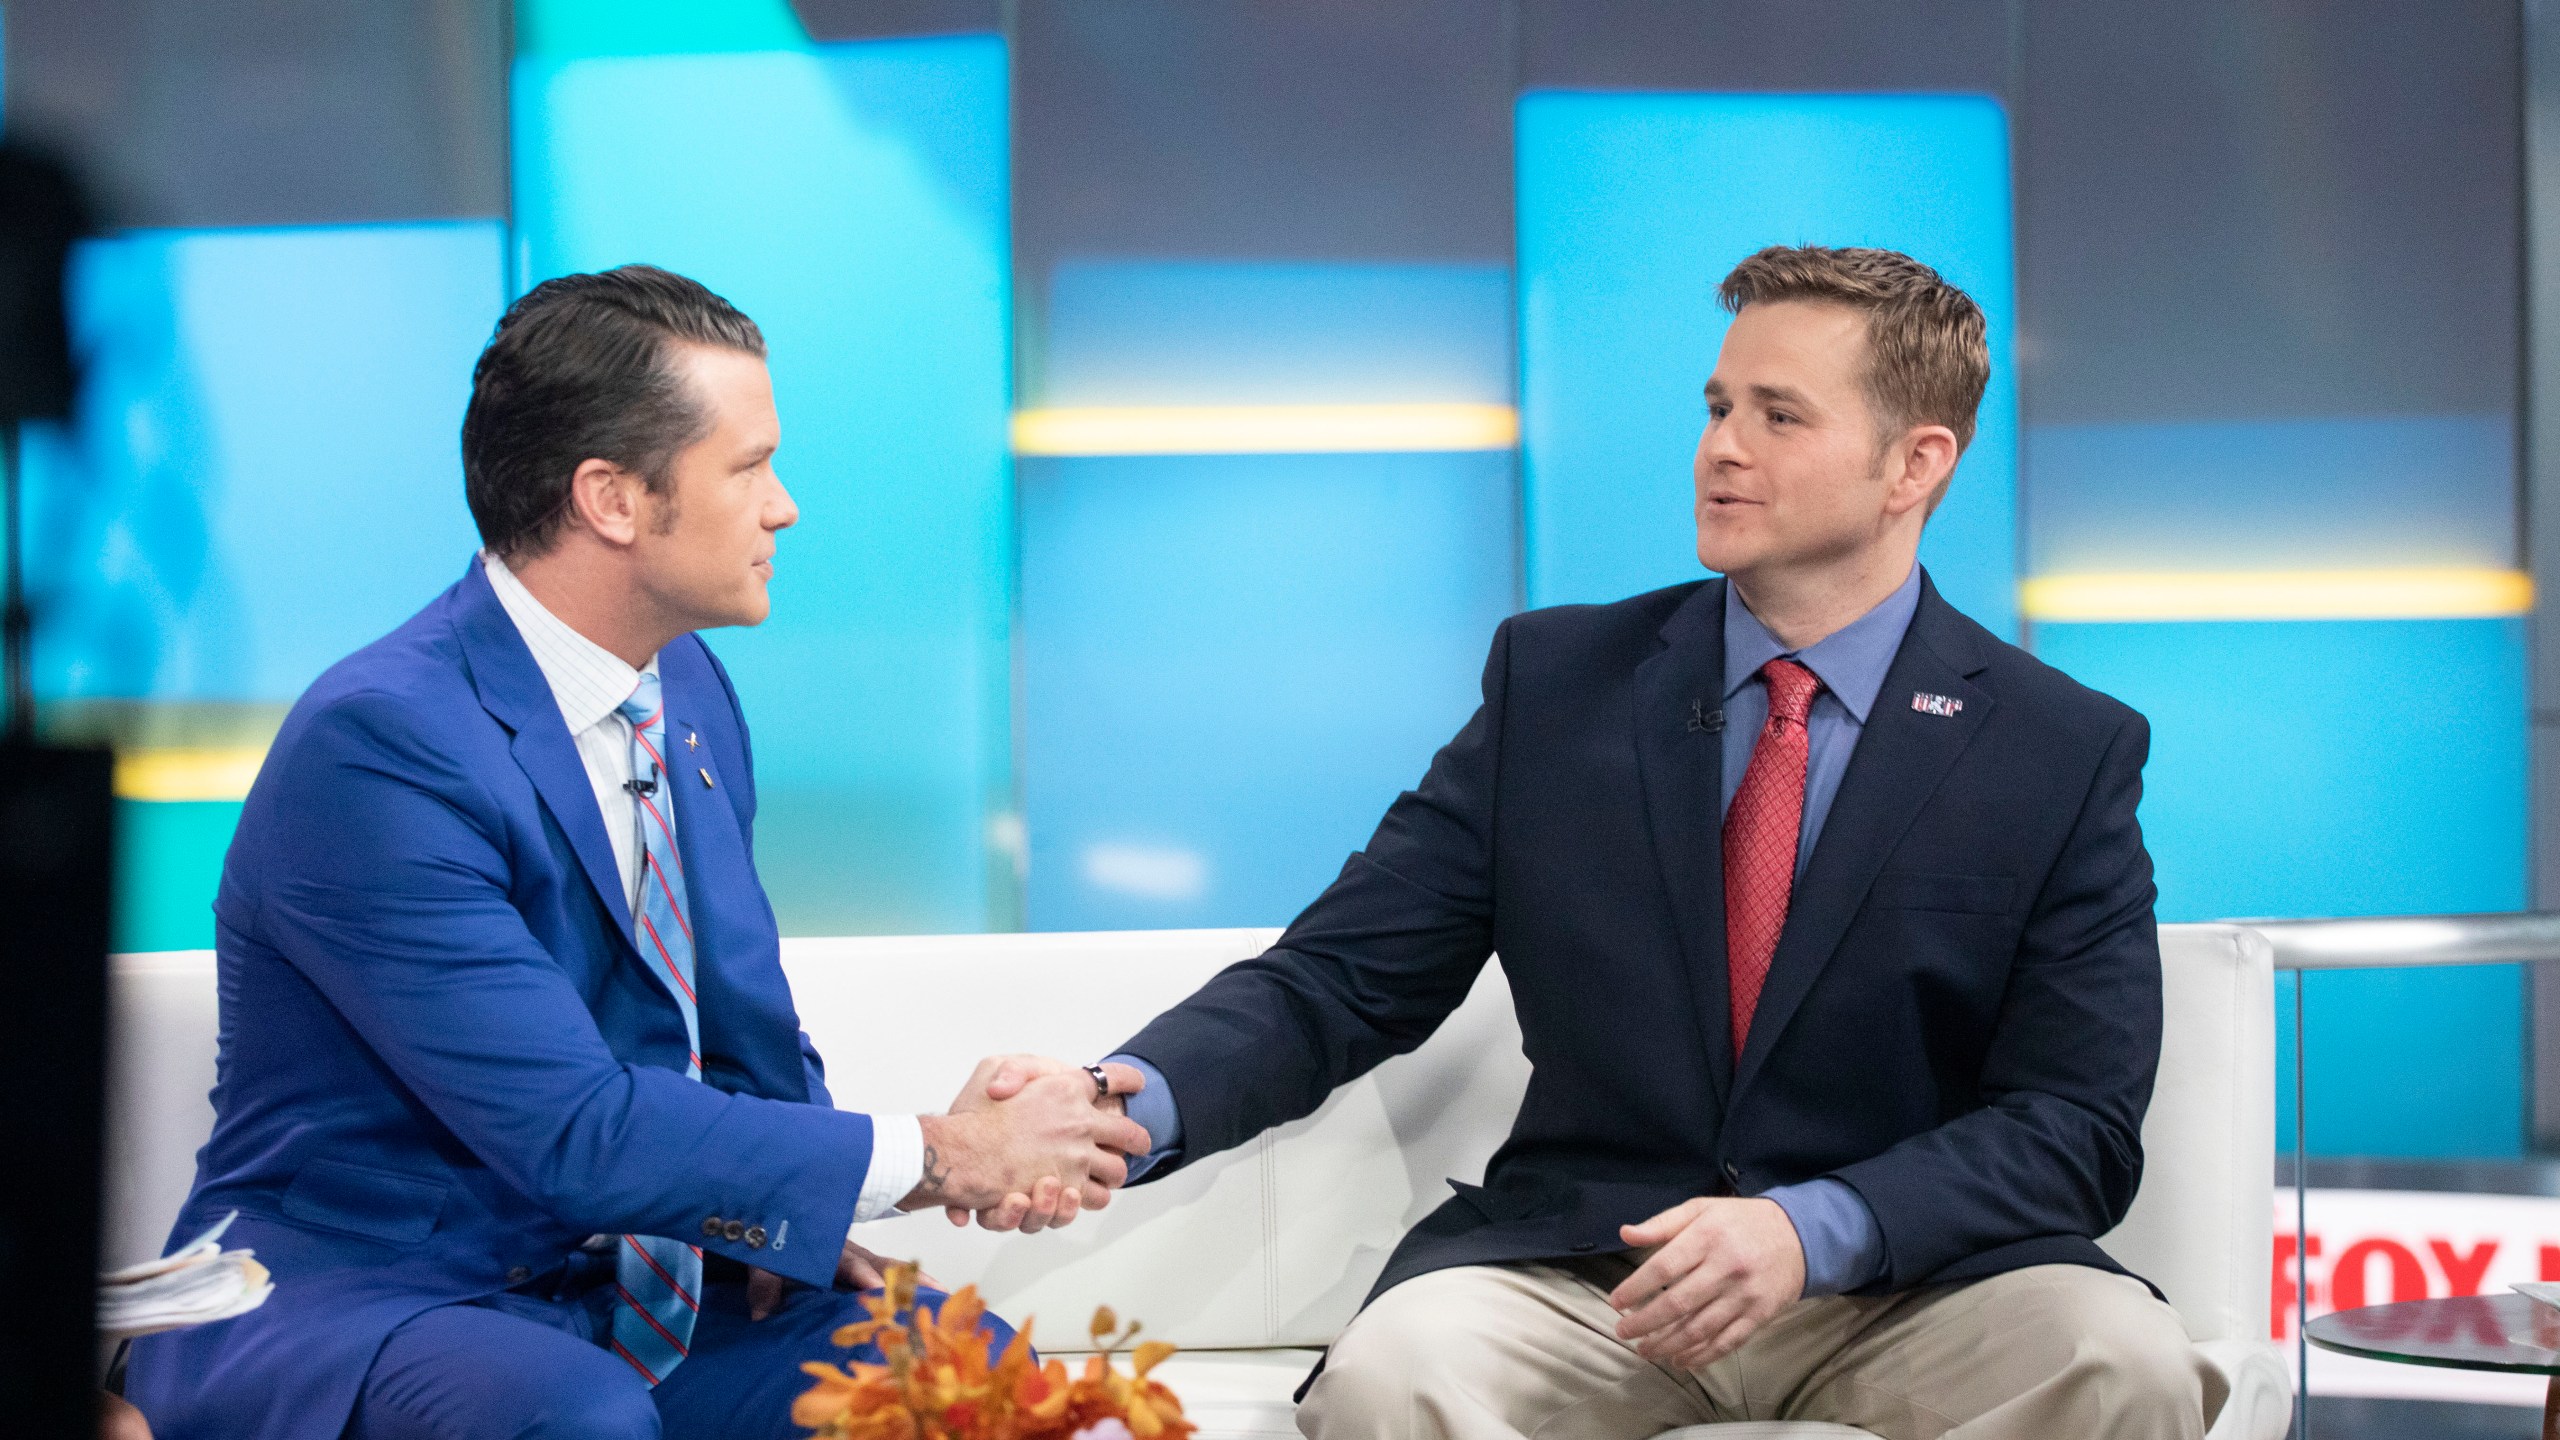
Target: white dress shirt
x=590, y=683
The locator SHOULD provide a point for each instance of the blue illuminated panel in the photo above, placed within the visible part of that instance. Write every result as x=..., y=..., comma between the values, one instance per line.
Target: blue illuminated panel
x=264, y=474
x=1232, y=664
x=1174, y=332
x=852, y=199
x=1633, y=207
x=2330, y=492
x=2346, y=768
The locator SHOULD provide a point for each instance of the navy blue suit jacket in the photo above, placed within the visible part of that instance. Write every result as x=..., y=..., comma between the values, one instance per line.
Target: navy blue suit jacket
x=1962, y=1020
x=444, y=1064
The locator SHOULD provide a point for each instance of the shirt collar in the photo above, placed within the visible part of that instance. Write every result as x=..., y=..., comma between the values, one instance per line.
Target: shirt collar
x=1850, y=662
x=587, y=681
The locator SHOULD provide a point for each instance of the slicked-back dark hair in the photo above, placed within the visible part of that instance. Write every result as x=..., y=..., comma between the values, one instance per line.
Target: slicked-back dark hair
x=584, y=368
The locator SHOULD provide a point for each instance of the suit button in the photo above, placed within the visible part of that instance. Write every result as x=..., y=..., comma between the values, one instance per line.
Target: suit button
x=755, y=1237
x=1584, y=1248
x=1733, y=1176
x=734, y=1230
x=519, y=1275
x=711, y=1228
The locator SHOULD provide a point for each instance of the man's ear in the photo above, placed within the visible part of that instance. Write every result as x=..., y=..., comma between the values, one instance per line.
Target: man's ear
x=1927, y=455
x=605, y=499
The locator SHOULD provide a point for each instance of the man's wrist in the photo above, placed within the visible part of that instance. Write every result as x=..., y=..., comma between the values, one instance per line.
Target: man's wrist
x=1836, y=1233
x=940, y=1139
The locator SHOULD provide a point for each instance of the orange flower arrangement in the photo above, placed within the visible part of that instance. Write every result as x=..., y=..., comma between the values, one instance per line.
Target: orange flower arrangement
x=939, y=1382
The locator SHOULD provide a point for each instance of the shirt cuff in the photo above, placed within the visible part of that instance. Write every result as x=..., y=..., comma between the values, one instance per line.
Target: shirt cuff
x=1843, y=1246
x=1154, y=1110
x=897, y=1163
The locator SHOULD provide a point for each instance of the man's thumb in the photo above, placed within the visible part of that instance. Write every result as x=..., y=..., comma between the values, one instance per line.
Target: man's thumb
x=1008, y=1081
x=1659, y=1229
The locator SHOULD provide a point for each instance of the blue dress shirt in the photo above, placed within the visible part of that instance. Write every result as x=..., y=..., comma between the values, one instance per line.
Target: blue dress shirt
x=1843, y=1247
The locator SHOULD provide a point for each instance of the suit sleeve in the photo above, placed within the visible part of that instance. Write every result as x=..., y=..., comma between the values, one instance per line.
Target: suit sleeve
x=392, y=896
x=1367, y=972
x=2056, y=1148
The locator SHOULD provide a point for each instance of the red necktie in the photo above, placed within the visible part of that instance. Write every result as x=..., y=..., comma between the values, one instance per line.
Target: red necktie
x=1760, y=831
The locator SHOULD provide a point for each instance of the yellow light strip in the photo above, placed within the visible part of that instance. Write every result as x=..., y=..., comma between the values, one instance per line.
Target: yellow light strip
x=1263, y=429
x=2412, y=594
x=188, y=773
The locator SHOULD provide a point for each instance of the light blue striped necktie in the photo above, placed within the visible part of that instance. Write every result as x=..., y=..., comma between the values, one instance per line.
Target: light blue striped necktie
x=658, y=1280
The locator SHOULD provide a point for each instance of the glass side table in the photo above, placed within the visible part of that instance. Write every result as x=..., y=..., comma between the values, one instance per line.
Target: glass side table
x=2473, y=1332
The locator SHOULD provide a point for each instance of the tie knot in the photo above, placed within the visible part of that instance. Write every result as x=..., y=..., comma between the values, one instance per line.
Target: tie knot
x=1791, y=688
x=642, y=708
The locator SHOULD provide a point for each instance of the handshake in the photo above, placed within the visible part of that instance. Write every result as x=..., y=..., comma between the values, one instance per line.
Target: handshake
x=1029, y=1143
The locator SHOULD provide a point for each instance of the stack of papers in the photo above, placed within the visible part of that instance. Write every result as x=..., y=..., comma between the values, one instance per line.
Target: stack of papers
x=200, y=1283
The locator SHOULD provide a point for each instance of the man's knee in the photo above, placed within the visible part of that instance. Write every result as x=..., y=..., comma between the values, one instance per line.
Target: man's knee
x=1486, y=1350
x=1436, y=1345
x=2128, y=1350
x=1397, y=1347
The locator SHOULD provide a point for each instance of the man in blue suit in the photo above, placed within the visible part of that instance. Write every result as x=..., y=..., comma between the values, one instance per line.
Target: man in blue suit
x=1828, y=924
x=512, y=1096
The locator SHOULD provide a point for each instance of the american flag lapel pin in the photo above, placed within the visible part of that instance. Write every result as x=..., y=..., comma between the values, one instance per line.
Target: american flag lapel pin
x=1939, y=705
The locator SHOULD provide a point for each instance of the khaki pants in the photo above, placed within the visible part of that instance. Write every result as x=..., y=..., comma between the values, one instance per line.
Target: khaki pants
x=2055, y=1352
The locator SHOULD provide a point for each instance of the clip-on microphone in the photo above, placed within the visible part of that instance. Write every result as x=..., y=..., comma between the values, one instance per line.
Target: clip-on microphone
x=643, y=788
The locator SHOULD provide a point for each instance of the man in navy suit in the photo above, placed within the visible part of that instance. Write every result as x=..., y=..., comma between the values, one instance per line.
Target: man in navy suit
x=1829, y=928
x=512, y=1096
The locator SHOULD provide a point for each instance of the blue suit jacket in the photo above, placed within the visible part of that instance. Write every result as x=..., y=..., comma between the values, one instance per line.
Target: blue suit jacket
x=443, y=1063
x=1961, y=1022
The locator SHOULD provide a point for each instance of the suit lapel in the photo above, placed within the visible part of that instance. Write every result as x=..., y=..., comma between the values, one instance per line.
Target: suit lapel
x=512, y=689
x=1902, y=755
x=706, y=827
x=1682, y=765
x=745, y=1013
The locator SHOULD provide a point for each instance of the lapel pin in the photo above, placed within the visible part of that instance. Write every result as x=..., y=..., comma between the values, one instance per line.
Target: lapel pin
x=706, y=779
x=1704, y=721
x=1939, y=705
x=691, y=740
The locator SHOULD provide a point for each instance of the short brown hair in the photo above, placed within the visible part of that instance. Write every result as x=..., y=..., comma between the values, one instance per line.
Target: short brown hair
x=1927, y=363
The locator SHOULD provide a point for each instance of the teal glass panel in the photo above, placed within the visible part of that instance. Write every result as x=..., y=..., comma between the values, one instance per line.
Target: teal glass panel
x=1633, y=206
x=562, y=29
x=2346, y=768
x=851, y=198
x=264, y=472
x=168, y=864
x=1232, y=664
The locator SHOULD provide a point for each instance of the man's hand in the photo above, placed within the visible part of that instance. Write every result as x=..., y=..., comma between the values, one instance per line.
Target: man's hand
x=1001, y=1077
x=856, y=1269
x=860, y=1269
x=118, y=1420
x=1723, y=1268
x=1031, y=1159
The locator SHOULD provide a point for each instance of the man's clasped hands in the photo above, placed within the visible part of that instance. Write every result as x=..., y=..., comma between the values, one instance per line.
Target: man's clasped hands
x=1030, y=1143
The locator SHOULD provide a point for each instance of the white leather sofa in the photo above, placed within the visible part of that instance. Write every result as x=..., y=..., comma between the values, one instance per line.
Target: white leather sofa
x=1255, y=1259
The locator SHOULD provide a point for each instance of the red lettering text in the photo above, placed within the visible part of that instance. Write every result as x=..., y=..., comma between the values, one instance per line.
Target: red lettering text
x=2463, y=1272
x=2347, y=1277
